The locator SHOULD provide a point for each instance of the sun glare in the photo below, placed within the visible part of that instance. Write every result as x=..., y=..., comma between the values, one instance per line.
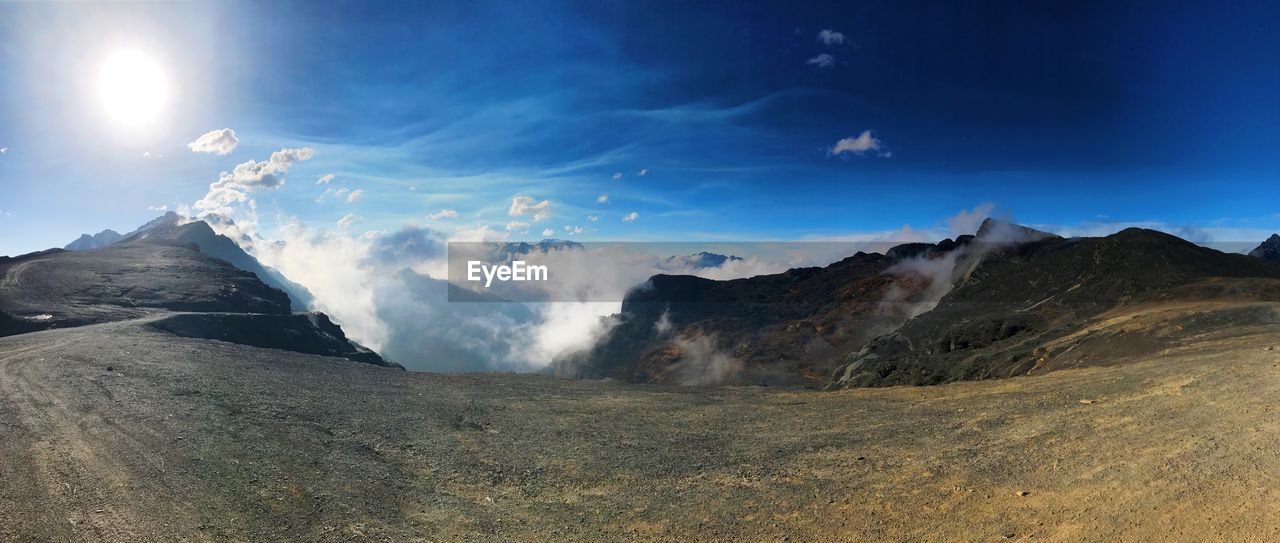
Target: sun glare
x=132, y=88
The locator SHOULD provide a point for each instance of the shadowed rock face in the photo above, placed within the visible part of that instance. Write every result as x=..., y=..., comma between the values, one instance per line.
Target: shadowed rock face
x=1269, y=250
x=308, y=333
x=1007, y=315
x=789, y=328
x=145, y=278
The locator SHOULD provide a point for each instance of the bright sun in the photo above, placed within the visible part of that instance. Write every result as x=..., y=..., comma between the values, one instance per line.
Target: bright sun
x=132, y=88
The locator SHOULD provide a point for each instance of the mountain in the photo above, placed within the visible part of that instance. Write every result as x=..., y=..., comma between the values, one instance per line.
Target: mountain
x=97, y=241
x=174, y=227
x=1055, y=303
x=699, y=260
x=788, y=328
x=167, y=283
x=1269, y=249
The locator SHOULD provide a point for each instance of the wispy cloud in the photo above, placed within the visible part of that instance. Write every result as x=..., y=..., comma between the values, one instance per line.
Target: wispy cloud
x=325, y=179
x=443, y=214
x=823, y=60
x=630, y=217
x=355, y=196
x=347, y=220
x=602, y=199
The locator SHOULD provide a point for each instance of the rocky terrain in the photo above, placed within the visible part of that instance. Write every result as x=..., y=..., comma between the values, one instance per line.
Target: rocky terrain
x=122, y=432
x=191, y=293
x=1009, y=300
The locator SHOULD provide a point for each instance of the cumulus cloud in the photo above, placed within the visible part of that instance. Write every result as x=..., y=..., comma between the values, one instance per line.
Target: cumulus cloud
x=325, y=179
x=217, y=142
x=234, y=187
x=548, y=232
x=823, y=60
x=443, y=214
x=831, y=37
x=617, y=176
x=602, y=199
x=355, y=196
x=517, y=225
x=570, y=230
x=524, y=205
x=347, y=220
x=864, y=143
x=630, y=217
x=593, y=218
x=4, y=150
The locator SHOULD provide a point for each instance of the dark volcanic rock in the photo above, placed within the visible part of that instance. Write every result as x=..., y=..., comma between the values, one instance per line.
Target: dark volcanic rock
x=1001, y=314
x=1269, y=249
x=172, y=227
x=128, y=280
x=789, y=328
x=310, y=333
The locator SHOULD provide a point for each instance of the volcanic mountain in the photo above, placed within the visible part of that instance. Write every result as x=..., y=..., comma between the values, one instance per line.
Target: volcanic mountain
x=786, y=328
x=169, y=285
x=174, y=227
x=1269, y=250
x=1009, y=300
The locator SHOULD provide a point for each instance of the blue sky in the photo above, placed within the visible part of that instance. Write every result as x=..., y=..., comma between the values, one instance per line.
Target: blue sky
x=1079, y=116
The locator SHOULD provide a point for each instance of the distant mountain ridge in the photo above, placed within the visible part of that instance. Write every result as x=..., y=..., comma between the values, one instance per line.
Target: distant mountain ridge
x=1006, y=301
x=87, y=242
x=1269, y=249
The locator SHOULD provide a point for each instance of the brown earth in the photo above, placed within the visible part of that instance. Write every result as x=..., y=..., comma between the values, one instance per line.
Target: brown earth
x=187, y=439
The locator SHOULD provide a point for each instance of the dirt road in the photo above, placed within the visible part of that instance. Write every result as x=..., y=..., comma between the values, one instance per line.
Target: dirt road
x=200, y=440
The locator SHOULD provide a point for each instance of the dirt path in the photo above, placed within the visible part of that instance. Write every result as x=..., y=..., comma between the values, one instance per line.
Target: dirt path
x=202, y=440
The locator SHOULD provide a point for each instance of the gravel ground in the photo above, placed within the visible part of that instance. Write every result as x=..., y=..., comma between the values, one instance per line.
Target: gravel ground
x=118, y=432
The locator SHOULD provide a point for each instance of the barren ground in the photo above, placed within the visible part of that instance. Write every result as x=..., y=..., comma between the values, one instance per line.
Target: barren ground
x=199, y=440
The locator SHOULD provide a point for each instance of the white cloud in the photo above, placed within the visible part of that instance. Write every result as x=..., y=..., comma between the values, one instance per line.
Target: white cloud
x=602, y=199
x=822, y=61
x=218, y=142
x=831, y=37
x=4, y=150
x=593, y=218
x=233, y=187
x=524, y=205
x=617, y=176
x=548, y=232
x=968, y=221
x=158, y=208
x=866, y=141
x=325, y=179
x=150, y=155
x=517, y=225
x=355, y=196
x=347, y=220
x=642, y=172
x=630, y=217
x=572, y=229
x=443, y=214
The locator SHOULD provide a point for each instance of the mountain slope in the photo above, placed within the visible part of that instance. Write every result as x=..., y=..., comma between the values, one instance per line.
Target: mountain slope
x=173, y=285
x=1042, y=306
x=174, y=227
x=788, y=328
x=1268, y=250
